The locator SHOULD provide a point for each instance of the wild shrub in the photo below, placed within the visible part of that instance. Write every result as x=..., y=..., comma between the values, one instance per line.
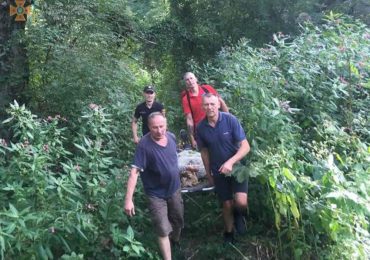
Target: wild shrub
x=59, y=202
x=78, y=53
x=304, y=103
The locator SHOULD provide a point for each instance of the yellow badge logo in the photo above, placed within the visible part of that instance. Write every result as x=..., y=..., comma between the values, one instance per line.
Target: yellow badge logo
x=20, y=10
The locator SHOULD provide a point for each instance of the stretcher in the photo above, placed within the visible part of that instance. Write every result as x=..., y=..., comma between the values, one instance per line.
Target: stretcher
x=193, y=158
x=201, y=187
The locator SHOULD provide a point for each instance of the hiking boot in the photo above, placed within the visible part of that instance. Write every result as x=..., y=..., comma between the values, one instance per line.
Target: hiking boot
x=240, y=223
x=229, y=238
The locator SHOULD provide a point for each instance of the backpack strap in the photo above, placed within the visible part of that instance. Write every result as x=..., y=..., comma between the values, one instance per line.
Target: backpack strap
x=204, y=89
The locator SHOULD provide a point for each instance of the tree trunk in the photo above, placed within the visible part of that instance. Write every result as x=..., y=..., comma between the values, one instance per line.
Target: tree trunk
x=14, y=72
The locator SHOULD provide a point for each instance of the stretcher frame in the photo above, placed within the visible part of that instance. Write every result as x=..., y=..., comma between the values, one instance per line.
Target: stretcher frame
x=201, y=187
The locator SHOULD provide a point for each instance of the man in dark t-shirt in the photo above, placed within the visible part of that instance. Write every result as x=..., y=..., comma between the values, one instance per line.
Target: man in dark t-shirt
x=223, y=144
x=143, y=110
x=156, y=162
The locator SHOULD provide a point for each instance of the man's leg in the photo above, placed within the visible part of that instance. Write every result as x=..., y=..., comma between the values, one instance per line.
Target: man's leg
x=240, y=204
x=176, y=215
x=165, y=247
x=227, y=214
x=225, y=195
x=241, y=200
x=159, y=215
x=233, y=211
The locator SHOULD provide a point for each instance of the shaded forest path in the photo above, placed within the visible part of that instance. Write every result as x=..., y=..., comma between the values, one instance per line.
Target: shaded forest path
x=202, y=234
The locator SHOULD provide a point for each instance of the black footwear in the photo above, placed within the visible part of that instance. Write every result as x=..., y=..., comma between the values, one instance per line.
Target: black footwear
x=239, y=223
x=229, y=238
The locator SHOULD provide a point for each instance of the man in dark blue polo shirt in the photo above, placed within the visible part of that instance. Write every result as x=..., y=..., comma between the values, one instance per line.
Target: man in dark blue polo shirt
x=222, y=143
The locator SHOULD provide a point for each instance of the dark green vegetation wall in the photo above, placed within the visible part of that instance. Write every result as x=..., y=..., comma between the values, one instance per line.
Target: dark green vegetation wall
x=302, y=94
x=305, y=103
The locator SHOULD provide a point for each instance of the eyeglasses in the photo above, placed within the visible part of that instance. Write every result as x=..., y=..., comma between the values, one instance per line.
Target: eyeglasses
x=149, y=92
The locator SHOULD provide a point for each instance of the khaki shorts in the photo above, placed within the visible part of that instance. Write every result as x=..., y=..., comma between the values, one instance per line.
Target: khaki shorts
x=167, y=214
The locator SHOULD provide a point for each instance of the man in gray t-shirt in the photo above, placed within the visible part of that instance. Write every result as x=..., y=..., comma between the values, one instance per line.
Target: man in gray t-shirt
x=156, y=162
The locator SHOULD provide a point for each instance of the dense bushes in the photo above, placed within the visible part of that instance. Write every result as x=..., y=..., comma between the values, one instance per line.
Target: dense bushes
x=305, y=105
x=61, y=189
x=78, y=53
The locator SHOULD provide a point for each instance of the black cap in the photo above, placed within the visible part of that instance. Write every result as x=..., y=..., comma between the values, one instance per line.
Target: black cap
x=149, y=88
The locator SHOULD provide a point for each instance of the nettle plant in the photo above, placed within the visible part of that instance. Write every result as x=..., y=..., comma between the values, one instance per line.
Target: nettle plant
x=62, y=202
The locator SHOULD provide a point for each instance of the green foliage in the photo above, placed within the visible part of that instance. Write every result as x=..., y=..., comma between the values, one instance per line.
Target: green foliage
x=198, y=30
x=59, y=202
x=79, y=50
x=304, y=102
x=305, y=106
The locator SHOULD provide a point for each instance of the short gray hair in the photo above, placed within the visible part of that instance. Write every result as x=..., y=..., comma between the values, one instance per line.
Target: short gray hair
x=187, y=73
x=208, y=95
x=155, y=114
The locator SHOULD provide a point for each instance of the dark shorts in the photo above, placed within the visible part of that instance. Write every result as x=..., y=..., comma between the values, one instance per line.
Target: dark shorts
x=227, y=186
x=167, y=214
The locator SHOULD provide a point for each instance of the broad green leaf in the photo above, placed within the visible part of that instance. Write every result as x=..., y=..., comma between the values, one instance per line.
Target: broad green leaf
x=272, y=182
x=288, y=174
x=354, y=70
x=8, y=120
x=13, y=210
x=41, y=252
x=277, y=220
x=29, y=135
x=10, y=228
x=130, y=232
x=81, y=233
x=294, y=209
x=81, y=148
x=136, y=249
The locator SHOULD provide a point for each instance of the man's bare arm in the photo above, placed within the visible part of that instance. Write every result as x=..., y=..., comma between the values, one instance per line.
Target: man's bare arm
x=131, y=184
x=190, y=126
x=134, y=130
x=205, y=158
x=243, y=150
x=223, y=105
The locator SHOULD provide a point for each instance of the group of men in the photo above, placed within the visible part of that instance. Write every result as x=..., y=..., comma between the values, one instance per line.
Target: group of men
x=221, y=140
